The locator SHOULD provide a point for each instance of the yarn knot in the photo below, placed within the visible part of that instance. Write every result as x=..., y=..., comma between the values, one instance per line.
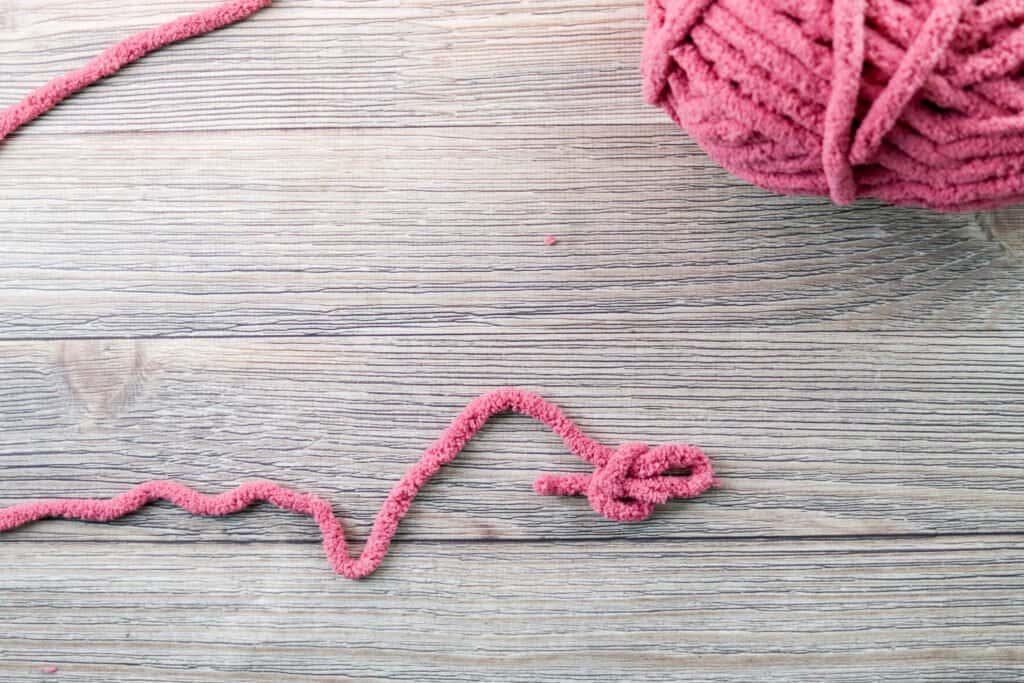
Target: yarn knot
x=627, y=483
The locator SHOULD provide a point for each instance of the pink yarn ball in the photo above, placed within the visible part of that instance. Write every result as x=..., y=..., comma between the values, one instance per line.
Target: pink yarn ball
x=917, y=102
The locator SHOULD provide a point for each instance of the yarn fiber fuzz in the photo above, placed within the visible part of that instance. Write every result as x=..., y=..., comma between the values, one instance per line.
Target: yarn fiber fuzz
x=916, y=102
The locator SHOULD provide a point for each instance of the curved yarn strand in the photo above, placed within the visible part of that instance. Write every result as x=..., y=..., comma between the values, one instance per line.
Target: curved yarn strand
x=114, y=58
x=924, y=54
x=626, y=485
x=848, y=41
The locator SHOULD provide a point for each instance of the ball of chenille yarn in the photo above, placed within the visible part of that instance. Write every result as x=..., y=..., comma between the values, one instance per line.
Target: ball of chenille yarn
x=917, y=102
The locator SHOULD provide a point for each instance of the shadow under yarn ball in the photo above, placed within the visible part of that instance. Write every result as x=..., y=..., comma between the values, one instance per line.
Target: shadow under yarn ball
x=917, y=102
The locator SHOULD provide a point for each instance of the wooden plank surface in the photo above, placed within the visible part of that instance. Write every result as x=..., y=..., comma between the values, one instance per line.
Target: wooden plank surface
x=296, y=248
x=326, y=232
x=922, y=610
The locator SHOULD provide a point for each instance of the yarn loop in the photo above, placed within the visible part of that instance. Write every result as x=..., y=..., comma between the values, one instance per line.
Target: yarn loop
x=630, y=481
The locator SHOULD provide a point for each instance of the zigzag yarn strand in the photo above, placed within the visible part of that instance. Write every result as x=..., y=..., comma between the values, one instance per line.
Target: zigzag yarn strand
x=626, y=485
x=915, y=102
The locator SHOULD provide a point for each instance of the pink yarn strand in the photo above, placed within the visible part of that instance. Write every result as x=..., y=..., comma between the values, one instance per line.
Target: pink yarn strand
x=847, y=62
x=626, y=485
x=114, y=58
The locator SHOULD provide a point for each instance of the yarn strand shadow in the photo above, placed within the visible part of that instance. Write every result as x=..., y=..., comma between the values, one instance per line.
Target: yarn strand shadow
x=626, y=485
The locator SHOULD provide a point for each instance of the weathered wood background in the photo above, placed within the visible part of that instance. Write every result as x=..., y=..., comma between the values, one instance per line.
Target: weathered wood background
x=295, y=248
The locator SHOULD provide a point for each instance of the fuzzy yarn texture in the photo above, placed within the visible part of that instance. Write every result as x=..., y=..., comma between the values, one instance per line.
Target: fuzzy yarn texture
x=626, y=484
x=108, y=62
x=917, y=102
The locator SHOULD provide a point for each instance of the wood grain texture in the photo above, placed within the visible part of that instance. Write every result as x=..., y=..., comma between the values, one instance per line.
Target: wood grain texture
x=331, y=63
x=1006, y=226
x=331, y=232
x=923, y=610
x=296, y=248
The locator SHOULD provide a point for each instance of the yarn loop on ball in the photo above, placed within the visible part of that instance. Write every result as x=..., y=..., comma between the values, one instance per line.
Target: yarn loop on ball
x=916, y=102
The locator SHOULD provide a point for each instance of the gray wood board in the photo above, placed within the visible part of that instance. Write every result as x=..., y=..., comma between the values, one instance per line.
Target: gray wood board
x=921, y=610
x=334, y=232
x=295, y=248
